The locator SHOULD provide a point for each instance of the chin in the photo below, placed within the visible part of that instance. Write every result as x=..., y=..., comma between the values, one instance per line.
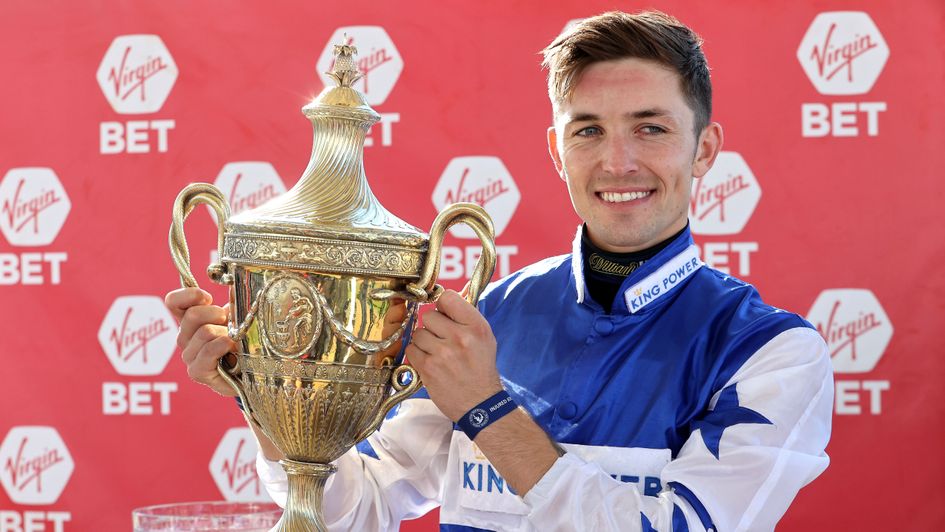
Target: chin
x=625, y=245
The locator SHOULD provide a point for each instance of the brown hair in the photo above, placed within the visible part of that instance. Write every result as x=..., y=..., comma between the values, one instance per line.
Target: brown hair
x=648, y=35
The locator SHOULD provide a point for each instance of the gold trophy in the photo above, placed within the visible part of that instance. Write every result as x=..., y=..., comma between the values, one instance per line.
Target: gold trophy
x=325, y=284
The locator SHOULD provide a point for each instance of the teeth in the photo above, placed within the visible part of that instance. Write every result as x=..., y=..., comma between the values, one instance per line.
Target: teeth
x=617, y=197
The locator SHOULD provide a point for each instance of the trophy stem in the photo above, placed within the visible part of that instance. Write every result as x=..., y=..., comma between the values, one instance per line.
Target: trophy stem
x=304, y=505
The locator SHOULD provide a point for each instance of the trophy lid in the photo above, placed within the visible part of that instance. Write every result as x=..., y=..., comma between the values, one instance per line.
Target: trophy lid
x=332, y=202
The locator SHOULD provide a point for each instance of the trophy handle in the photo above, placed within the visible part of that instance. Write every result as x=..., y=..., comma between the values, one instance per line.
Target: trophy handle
x=190, y=197
x=193, y=195
x=403, y=391
x=479, y=221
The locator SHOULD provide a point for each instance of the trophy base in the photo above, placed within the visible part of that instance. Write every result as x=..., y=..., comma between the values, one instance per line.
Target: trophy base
x=304, y=505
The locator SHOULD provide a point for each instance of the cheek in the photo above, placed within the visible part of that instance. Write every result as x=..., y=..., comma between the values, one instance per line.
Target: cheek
x=574, y=189
x=675, y=172
x=575, y=173
x=580, y=155
x=657, y=156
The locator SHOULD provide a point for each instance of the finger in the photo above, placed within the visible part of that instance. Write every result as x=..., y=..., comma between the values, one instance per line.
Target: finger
x=426, y=341
x=189, y=353
x=195, y=318
x=204, y=366
x=457, y=308
x=178, y=301
x=416, y=356
x=439, y=324
x=204, y=335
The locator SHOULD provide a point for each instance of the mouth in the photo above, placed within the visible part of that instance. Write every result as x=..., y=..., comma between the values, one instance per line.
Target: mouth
x=623, y=197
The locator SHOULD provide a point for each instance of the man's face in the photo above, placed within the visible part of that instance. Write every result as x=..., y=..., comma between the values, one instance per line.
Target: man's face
x=625, y=146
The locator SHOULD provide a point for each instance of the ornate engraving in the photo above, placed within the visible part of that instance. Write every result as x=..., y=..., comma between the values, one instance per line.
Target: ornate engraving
x=336, y=111
x=291, y=312
x=289, y=319
x=324, y=255
x=315, y=371
x=405, y=236
x=313, y=419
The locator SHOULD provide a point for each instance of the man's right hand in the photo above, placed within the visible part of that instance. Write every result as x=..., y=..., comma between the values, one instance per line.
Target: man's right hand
x=203, y=336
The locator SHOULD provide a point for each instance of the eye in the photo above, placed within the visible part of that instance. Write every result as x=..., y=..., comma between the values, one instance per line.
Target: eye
x=589, y=131
x=652, y=130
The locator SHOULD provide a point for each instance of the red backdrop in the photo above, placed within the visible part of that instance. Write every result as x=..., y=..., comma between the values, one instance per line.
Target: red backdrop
x=827, y=198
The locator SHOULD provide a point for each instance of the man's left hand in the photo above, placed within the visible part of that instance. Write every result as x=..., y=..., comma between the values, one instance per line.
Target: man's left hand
x=454, y=352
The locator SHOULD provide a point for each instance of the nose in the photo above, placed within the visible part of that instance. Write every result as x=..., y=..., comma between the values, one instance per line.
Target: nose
x=619, y=156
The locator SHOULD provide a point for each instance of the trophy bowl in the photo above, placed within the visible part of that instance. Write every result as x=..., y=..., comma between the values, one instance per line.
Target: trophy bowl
x=325, y=285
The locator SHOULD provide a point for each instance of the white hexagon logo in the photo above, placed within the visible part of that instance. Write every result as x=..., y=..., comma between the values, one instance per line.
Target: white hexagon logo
x=36, y=465
x=855, y=327
x=723, y=200
x=249, y=184
x=138, y=335
x=233, y=467
x=843, y=52
x=378, y=60
x=479, y=179
x=137, y=74
x=33, y=206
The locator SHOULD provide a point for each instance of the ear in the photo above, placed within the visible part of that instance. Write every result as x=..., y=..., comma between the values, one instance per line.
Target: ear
x=708, y=146
x=553, y=151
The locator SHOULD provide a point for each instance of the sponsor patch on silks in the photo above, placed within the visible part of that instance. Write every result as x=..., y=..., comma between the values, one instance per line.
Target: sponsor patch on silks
x=475, y=495
x=660, y=282
x=478, y=485
x=481, y=487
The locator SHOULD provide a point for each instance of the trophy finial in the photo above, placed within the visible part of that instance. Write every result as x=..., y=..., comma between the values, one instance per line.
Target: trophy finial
x=344, y=71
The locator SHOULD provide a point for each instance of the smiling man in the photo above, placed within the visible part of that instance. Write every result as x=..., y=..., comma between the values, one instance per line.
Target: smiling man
x=625, y=386
x=627, y=143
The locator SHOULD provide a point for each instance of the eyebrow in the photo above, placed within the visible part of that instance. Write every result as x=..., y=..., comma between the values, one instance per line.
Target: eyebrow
x=652, y=112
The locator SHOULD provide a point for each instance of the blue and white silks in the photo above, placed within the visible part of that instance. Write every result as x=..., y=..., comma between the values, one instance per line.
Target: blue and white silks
x=690, y=405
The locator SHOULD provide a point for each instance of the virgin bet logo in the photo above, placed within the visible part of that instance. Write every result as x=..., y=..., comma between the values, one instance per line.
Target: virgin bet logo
x=36, y=465
x=723, y=200
x=33, y=206
x=137, y=74
x=248, y=184
x=138, y=335
x=483, y=180
x=843, y=52
x=233, y=467
x=855, y=326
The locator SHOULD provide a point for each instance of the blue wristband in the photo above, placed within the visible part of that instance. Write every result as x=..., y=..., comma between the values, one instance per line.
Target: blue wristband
x=486, y=413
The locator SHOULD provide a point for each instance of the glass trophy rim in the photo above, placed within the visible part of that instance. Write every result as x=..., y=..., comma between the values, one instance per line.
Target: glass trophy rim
x=205, y=515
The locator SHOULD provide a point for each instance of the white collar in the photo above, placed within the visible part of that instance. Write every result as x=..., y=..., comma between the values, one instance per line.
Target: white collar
x=663, y=280
x=577, y=264
x=650, y=288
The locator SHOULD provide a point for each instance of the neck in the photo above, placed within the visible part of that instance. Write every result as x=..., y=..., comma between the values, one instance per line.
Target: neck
x=605, y=271
x=590, y=247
